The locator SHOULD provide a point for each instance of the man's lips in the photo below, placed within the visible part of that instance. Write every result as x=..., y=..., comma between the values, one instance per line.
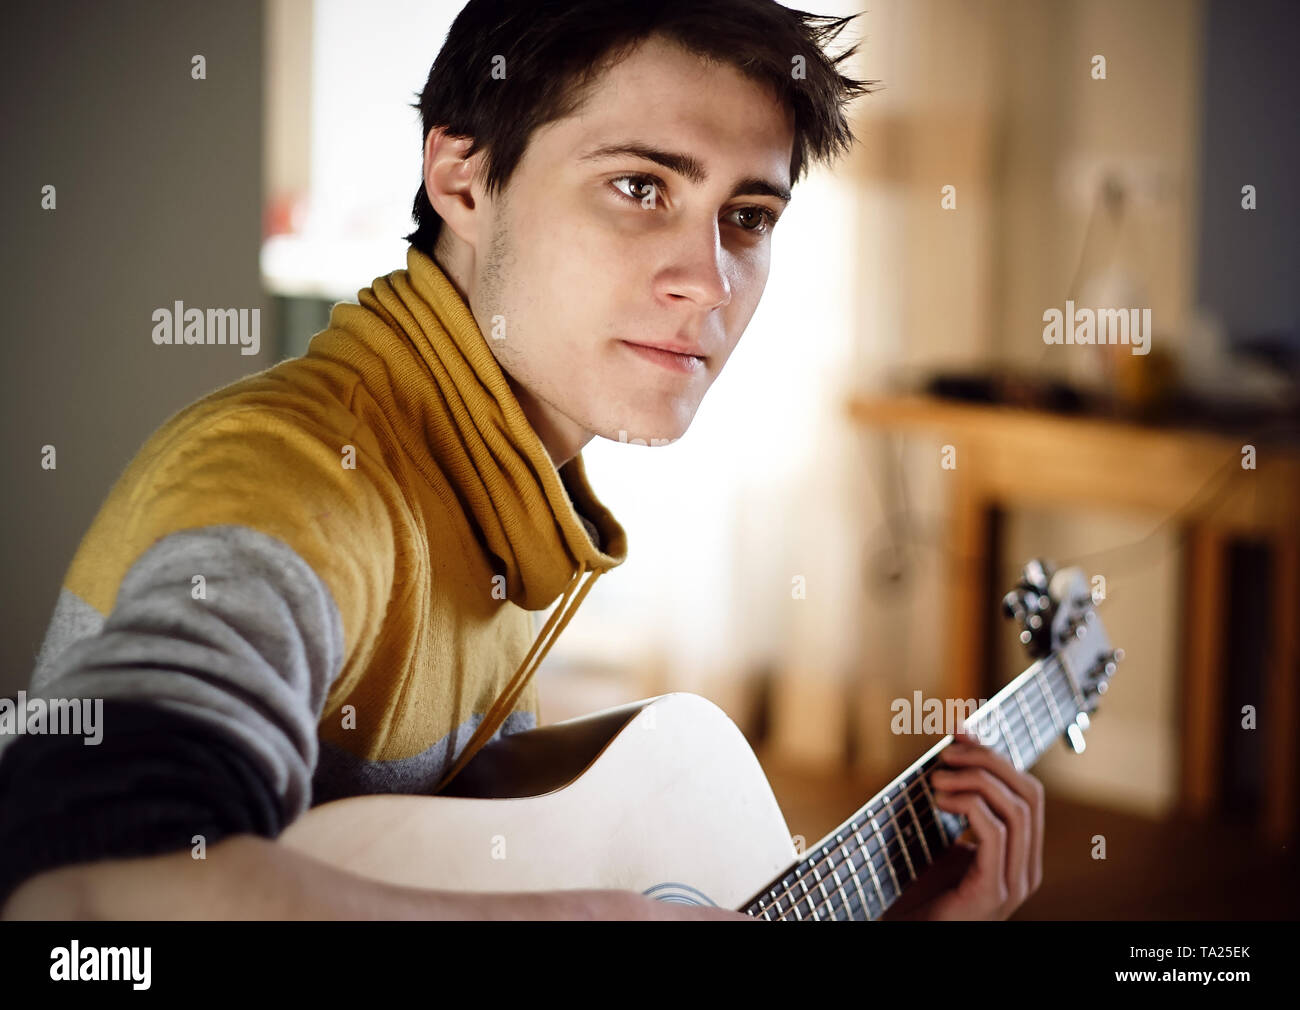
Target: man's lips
x=680, y=361
x=690, y=352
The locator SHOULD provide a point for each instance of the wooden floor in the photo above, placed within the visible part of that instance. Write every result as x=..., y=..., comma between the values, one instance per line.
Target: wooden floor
x=1153, y=869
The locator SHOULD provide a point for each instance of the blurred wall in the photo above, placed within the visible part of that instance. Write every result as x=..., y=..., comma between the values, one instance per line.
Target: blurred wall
x=158, y=189
x=1142, y=124
x=1246, y=268
x=287, y=128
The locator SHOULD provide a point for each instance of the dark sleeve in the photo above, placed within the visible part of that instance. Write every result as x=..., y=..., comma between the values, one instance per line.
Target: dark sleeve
x=157, y=780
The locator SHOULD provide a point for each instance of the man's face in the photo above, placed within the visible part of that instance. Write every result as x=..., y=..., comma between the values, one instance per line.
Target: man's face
x=587, y=254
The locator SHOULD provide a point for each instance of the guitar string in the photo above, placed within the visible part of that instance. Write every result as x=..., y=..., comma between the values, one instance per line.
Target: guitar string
x=1038, y=706
x=847, y=901
x=922, y=822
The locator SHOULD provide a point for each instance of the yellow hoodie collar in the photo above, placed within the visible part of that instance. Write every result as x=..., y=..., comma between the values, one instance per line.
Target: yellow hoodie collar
x=532, y=517
x=451, y=390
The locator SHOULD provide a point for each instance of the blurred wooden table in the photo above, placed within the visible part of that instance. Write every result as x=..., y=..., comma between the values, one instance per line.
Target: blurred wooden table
x=1008, y=457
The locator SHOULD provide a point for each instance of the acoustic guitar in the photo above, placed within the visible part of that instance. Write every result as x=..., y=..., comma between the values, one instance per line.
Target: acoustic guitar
x=665, y=797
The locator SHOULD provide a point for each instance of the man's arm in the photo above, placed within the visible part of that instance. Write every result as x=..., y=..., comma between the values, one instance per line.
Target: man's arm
x=248, y=877
x=208, y=710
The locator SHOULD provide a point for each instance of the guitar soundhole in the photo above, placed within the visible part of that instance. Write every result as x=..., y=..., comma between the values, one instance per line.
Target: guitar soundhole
x=681, y=894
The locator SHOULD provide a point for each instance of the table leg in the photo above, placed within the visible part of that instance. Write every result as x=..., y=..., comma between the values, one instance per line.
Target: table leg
x=1204, y=612
x=967, y=618
x=1277, y=716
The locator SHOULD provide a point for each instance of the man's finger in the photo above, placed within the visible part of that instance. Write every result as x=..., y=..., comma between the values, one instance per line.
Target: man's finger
x=971, y=752
x=991, y=838
x=1011, y=810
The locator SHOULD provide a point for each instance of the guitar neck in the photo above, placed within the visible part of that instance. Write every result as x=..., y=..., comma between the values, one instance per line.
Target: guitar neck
x=862, y=867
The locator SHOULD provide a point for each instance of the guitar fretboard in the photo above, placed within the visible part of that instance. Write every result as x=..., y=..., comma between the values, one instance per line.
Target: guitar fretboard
x=862, y=867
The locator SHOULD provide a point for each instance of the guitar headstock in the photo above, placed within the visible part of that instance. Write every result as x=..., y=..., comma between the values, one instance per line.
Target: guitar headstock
x=1057, y=616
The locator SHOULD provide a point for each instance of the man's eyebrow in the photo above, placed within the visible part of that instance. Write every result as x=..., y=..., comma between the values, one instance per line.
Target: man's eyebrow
x=688, y=166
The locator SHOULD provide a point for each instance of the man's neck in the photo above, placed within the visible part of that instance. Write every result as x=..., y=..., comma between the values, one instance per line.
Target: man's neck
x=562, y=438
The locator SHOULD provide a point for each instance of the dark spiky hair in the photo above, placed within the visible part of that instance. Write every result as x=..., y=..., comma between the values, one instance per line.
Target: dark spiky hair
x=553, y=50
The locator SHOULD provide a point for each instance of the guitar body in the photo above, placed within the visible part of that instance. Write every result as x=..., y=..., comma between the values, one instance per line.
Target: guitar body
x=650, y=797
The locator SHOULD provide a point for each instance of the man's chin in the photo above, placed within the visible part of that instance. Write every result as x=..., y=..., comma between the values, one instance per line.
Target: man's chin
x=647, y=434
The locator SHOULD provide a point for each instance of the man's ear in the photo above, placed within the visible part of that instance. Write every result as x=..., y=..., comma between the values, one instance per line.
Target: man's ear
x=451, y=182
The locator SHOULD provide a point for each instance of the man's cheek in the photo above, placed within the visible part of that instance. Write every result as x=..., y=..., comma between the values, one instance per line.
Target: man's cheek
x=578, y=253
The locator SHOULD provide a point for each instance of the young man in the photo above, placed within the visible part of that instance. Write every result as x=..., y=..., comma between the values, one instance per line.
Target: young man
x=317, y=582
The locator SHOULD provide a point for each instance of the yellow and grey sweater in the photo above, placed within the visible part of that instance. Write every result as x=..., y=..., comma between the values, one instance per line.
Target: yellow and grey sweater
x=313, y=583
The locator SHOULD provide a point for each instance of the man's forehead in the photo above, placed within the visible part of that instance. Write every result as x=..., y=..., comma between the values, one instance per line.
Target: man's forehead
x=652, y=98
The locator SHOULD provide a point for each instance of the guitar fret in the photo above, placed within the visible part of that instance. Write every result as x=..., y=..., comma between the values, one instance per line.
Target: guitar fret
x=914, y=831
x=839, y=886
x=902, y=840
x=786, y=886
x=1026, y=738
x=806, y=897
x=930, y=797
x=796, y=905
x=825, y=897
x=788, y=881
x=1035, y=701
x=889, y=863
x=845, y=897
x=1057, y=722
x=1073, y=682
x=1048, y=685
x=870, y=868
x=936, y=832
x=1010, y=741
x=917, y=821
x=853, y=873
x=1033, y=736
x=1066, y=681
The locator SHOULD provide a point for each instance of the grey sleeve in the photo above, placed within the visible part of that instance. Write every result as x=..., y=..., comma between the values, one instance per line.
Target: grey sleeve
x=249, y=648
x=210, y=690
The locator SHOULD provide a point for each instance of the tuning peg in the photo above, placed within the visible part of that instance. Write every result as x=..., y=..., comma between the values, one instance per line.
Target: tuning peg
x=1037, y=574
x=1076, y=627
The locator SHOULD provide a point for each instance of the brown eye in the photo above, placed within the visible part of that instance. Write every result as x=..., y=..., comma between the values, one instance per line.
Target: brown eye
x=763, y=219
x=645, y=183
